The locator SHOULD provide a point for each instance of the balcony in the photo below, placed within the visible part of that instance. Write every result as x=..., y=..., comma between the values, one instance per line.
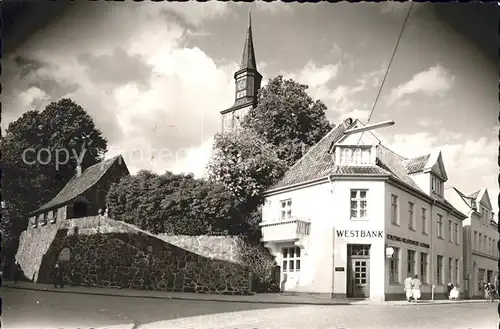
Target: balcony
x=285, y=230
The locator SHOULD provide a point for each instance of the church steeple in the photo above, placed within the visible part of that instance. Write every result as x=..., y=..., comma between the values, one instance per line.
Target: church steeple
x=248, y=58
x=247, y=81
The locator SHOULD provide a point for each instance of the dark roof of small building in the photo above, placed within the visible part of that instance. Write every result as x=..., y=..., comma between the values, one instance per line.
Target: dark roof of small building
x=78, y=185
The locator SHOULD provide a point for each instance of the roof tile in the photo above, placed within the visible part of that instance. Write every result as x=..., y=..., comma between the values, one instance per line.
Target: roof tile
x=78, y=185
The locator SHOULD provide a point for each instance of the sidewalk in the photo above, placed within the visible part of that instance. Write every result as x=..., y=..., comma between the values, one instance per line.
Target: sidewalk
x=265, y=298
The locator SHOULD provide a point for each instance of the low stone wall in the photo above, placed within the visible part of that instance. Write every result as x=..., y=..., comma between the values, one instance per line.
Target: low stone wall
x=227, y=248
x=123, y=257
x=33, y=244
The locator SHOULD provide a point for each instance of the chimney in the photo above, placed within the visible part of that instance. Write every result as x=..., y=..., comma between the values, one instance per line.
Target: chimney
x=78, y=170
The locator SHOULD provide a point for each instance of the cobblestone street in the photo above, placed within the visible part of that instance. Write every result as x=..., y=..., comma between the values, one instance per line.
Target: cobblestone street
x=45, y=309
x=468, y=316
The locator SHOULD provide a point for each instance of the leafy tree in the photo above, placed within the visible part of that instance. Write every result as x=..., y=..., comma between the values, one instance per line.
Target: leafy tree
x=288, y=118
x=245, y=164
x=28, y=182
x=174, y=204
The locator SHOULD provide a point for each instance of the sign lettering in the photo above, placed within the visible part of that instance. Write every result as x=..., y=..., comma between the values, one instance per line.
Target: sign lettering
x=360, y=234
x=407, y=241
x=339, y=269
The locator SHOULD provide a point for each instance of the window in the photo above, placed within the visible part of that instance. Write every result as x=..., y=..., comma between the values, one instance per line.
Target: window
x=450, y=270
x=480, y=243
x=355, y=156
x=450, y=232
x=457, y=234
x=394, y=209
x=457, y=275
x=489, y=246
x=424, y=220
x=411, y=216
x=358, y=204
x=484, y=244
x=439, y=270
x=437, y=185
x=286, y=209
x=394, y=266
x=440, y=226
x=475, y=240
x=423, y=267
x=411, y=263
x=290, y=259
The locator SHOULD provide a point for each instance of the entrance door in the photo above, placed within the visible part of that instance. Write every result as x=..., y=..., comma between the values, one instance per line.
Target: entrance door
x=358, y=278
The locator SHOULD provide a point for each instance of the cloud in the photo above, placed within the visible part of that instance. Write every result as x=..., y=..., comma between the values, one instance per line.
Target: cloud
x=317, y=78
x=133, y=81
x=461, y=160
x=273, y=6
x=117, y=68
x=434, y=81
x=428, y=122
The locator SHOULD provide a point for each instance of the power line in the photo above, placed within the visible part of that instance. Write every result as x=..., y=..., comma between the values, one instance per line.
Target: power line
x=385, y=77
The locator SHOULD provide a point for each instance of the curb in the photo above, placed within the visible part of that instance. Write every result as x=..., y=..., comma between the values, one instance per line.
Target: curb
x=179, y=298
x=426, y=303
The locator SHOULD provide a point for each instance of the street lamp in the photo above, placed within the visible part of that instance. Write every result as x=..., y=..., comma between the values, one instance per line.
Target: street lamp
x=369, y=127
x=389, y=251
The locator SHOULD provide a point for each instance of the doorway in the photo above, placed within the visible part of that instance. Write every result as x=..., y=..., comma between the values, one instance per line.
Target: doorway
x=79, y=209
x=358, y=270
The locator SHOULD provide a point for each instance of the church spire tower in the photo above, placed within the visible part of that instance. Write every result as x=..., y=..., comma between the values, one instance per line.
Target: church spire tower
x=247, y=80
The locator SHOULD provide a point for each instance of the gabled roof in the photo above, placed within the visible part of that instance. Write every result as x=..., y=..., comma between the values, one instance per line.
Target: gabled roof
x=428, y=162
x=469, y=201
x=483, y=197
x=474, y=195
x=416, y=165
x=78, y=185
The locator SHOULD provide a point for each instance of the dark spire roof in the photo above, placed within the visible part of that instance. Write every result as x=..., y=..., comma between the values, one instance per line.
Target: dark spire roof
x=248, y=58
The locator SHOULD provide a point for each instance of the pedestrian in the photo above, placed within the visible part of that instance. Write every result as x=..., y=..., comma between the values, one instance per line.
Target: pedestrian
x=449, y=288
x=408, y=288
x=58, y=276
x=15, y=271
x=416, y=288
x=454, y=293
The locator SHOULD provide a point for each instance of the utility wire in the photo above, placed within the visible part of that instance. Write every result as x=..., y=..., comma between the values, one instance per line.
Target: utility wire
x=385, y=77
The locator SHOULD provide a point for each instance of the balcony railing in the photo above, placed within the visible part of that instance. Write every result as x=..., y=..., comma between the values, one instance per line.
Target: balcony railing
x=285, y=230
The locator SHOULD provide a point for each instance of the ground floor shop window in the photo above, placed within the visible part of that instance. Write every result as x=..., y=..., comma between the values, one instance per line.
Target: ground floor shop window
x=423, y=267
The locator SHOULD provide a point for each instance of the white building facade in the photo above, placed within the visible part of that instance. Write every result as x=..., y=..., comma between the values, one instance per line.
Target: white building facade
x=480, y=236
x=338, y=213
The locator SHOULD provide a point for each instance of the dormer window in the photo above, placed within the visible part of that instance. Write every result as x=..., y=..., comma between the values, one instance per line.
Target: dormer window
x=437, y=186
x=353, y=156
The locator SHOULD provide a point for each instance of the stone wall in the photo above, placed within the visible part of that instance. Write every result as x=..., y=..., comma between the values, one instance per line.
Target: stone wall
x=123, y=257
x=33, y=244
x=227, y=248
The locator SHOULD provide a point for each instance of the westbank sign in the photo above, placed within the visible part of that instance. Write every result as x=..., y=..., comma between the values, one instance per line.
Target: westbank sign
x=360, y=234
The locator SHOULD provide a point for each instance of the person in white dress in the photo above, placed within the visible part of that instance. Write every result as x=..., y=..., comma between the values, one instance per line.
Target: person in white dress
x=454, y=293
x=408, y=288
x=416, y=288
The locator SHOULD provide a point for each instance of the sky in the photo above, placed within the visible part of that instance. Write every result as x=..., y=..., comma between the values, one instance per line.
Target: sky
x=154, y=77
